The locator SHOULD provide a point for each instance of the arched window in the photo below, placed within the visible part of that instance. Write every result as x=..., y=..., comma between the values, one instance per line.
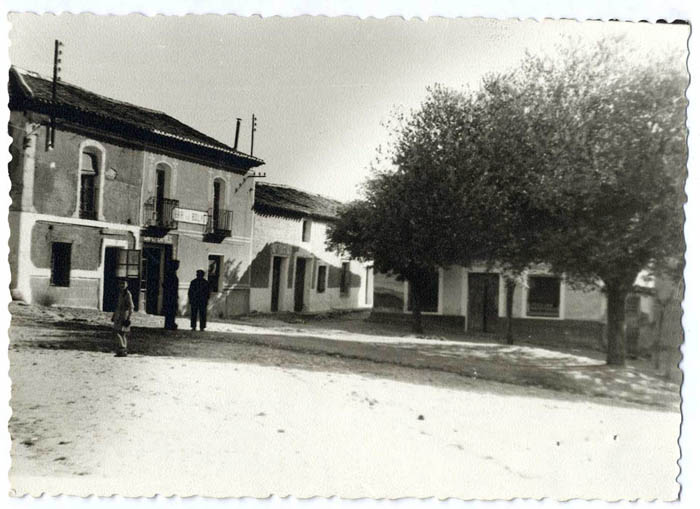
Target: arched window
x=90, y=181
x=89, y=175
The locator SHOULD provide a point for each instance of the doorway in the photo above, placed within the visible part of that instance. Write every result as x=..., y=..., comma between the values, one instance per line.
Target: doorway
x=299, y=280
x=483, y=302
x=160, y=195
x=110, y=290
x=276, y=276
x=155, y=259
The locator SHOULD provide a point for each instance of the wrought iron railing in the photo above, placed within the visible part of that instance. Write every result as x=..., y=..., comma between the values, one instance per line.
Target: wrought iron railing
x=219, y=222
x=158, y=213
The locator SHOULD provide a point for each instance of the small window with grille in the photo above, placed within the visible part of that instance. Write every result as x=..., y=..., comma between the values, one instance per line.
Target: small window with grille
x=543, y=296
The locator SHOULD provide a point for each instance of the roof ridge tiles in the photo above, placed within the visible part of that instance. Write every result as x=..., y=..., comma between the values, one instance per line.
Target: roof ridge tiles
x=37, y=89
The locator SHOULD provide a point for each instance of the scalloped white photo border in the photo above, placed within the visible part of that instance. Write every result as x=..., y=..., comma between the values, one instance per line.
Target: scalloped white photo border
x=628, y=10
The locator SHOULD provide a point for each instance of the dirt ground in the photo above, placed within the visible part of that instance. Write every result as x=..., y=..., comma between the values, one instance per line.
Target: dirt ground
x=219, y=413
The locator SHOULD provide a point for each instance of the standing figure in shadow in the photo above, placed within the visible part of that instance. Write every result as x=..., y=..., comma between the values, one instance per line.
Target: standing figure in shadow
x=122, y=318
x=199, y=297
x=170, y=289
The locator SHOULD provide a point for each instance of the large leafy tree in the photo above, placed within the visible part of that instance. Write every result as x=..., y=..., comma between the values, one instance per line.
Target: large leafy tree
x=576, y=160
x=601, y=140
x=415, y=205
x=506, y=223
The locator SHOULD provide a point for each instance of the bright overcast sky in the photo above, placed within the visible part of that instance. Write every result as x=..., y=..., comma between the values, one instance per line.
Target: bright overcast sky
x=320, y=87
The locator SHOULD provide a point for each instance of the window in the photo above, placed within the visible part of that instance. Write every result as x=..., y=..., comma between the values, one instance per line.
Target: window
x=321, y=283
x=89, y=165
x=306, y=231
x=60, y=263
x=214, y=272
x=89, y=161
x=543, y=296
x=129, y=264
x=427, y=292
x=345, y=278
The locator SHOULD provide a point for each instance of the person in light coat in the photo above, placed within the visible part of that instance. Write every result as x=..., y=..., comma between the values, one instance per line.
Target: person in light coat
x=122, y=318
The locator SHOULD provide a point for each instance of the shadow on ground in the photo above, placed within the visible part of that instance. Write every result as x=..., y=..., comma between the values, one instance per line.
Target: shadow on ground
x=566, y=372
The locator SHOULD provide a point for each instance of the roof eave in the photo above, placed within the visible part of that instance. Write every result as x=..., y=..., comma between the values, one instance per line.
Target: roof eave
x=30, y=103
x=274, y=210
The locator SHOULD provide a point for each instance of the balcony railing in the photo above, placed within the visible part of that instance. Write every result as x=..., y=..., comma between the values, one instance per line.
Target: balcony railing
x=219, y=222
x=158, y=213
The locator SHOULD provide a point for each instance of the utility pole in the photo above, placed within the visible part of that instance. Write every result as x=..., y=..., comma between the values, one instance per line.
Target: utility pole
x=252, y=133
x=56, y=78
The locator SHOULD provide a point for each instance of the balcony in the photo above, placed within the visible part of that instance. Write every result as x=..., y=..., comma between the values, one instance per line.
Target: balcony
x=158, y=213
x=219, y=224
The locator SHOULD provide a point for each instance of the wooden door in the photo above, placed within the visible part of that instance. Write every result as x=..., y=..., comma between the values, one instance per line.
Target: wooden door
x=276, y=276
x=160, y=195
x=152, y=268
x=110, y=288
x=483, y=302
x=299, y=280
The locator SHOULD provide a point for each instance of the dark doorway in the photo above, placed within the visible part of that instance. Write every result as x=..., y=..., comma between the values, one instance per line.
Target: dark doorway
x=428, y=292
x=276, y=275
x=300, y=276
x=155, y=259
x=110, y=290
x=483, y=303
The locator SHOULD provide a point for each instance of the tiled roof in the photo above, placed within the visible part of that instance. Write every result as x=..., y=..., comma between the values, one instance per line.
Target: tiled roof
x=281, y=200
x=31, y=91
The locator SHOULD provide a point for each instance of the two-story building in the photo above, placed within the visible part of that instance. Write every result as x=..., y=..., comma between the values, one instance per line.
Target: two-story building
x=292, y=269
x=103, y=189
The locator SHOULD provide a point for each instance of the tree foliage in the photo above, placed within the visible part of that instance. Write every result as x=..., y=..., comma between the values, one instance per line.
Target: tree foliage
x=414, y=209
x=576, y=160
x=603, y=143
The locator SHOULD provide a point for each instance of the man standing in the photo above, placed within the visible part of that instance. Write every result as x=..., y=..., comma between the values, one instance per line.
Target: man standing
x=170, y=289
x=199, y=296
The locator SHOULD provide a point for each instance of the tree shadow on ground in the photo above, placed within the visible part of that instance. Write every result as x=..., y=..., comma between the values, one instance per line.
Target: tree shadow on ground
x=519, y=366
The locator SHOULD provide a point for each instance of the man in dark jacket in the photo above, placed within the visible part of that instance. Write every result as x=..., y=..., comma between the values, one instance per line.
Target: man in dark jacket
x=170, y=289
x=199, y=296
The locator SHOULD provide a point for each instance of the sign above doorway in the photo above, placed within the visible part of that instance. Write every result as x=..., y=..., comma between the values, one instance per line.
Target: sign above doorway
x=190, y=216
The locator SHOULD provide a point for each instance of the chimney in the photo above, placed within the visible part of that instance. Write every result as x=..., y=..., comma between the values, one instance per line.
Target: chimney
x=238, y=129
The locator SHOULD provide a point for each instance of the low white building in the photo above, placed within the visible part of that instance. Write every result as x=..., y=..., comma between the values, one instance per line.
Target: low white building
x=292, y=269
x=544, y=306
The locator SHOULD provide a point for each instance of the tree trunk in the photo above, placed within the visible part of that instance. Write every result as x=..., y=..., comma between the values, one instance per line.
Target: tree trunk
x=616, y=326
x=659, y=333
x=510, y=290
x=415, y=304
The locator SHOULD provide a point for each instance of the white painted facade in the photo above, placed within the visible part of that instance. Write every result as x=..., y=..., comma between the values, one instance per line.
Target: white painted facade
x=277, y=236
x=453, y=296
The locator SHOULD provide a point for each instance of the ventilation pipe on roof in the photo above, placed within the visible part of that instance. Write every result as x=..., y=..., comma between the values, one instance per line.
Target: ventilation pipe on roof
x=238, y=129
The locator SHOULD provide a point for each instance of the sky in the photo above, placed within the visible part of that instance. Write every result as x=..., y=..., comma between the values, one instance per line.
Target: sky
x=320, y=87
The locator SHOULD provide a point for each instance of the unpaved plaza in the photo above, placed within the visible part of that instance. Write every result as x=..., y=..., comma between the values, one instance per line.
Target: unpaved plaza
x=281, y=422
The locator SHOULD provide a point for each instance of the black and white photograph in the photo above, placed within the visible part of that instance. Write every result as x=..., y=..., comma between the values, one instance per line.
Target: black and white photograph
x=333, y=256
